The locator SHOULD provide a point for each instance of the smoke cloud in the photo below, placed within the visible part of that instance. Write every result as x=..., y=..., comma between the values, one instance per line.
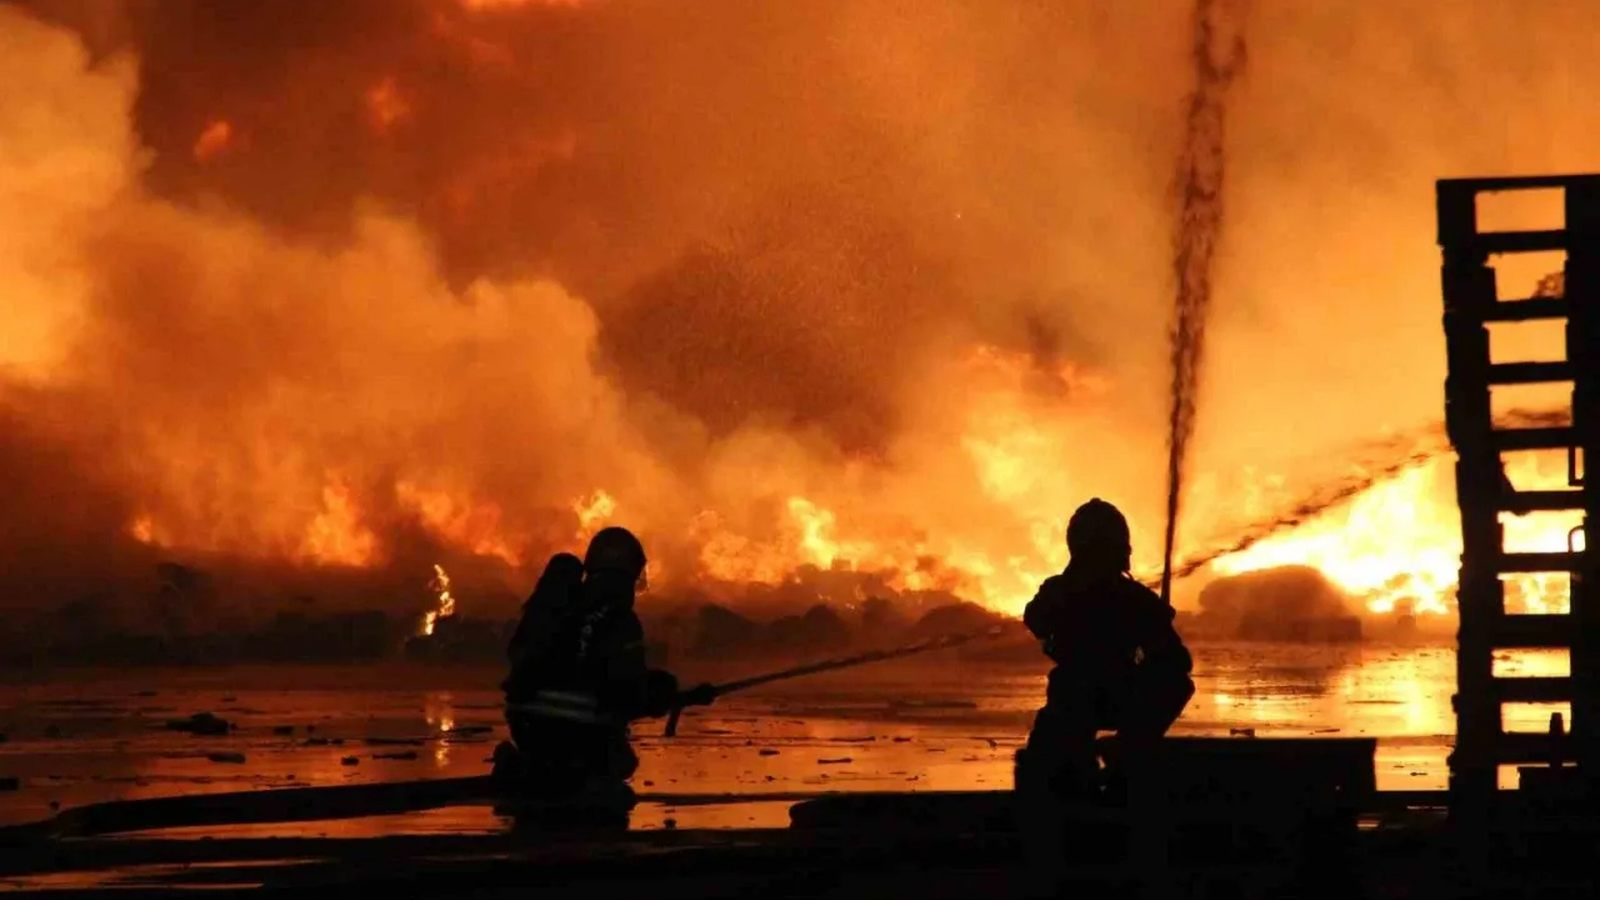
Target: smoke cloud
x=342, y=290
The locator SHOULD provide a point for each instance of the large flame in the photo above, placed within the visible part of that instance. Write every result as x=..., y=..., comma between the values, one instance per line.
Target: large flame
x=846, y=297
x=1399, y=544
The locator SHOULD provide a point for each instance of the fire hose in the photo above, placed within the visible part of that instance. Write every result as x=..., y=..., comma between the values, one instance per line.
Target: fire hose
x=709, y=693
x=705, y=695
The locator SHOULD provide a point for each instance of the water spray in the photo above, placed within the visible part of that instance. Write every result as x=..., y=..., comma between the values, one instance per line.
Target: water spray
x=1217, y=50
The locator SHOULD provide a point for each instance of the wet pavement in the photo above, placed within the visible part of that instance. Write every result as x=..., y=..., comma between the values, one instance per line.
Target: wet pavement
x=86, y=737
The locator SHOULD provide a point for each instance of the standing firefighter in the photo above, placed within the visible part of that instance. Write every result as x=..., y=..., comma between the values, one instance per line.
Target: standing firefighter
x=1119, y=663
x=579, y=677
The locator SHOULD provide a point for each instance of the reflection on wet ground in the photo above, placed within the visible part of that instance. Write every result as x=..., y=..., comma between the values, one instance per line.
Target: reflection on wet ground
x=92, y=737
x=190, y=875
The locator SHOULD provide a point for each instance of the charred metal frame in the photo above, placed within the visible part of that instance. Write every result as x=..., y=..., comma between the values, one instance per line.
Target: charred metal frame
x=1471, y=304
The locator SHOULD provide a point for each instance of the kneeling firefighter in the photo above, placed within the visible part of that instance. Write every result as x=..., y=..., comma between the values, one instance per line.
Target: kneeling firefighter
x=578, y=676
x=1120, y=665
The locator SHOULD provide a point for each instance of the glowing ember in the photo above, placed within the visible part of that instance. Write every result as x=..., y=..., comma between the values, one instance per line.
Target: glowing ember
x=214, y=140
x=143, y=530
x=446, y=602
x=385, y=105
x=439, y=711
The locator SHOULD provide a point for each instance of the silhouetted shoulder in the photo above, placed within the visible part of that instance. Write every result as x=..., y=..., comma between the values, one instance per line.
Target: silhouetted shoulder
x=1053, y=586
x=1149, y=602
x=1041, y=613
x=631, y=626
x=624, y=630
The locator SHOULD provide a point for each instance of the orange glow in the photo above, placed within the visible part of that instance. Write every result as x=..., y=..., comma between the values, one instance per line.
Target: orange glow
x=503, y=165
x=839, y=310
x=1394, y=546
x=491, y=5
x=439, y=712
x=385, y=104
x=594, y=512
x=475, y=527
x=336, y=535
x=1401, y=542
x=143, y=530
x=214, y=140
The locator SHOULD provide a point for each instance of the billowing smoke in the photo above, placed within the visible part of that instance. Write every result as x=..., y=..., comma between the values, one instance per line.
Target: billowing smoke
x=381, y=283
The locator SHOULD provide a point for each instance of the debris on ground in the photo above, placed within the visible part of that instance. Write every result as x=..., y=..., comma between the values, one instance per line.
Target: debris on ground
x=404, y=754
x=462, y=731
x=350, y=761
x=203, y=723
x=227, y=757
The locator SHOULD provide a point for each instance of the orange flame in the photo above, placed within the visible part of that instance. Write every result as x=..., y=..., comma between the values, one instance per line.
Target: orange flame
x=336, y=536
x=472, y=526
x=143, y=529
x=1394, y=547
x=446, y=602
x=593, y=512
x=1399, y=544
x=214, y=140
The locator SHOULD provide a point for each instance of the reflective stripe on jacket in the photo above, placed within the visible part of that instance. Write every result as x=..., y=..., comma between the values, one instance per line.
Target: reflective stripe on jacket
x=567, y=705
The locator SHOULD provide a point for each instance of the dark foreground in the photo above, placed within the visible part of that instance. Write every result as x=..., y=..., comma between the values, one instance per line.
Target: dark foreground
x=1405, y=850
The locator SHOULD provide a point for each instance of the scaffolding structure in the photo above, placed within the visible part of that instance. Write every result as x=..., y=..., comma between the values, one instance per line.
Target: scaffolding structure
x=1472, y=305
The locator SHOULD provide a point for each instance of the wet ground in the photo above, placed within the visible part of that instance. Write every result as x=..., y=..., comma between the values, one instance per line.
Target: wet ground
x=85, y=737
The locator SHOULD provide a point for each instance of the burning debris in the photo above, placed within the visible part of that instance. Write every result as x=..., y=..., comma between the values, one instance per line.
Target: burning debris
x=445, y=602
x=446, y=635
